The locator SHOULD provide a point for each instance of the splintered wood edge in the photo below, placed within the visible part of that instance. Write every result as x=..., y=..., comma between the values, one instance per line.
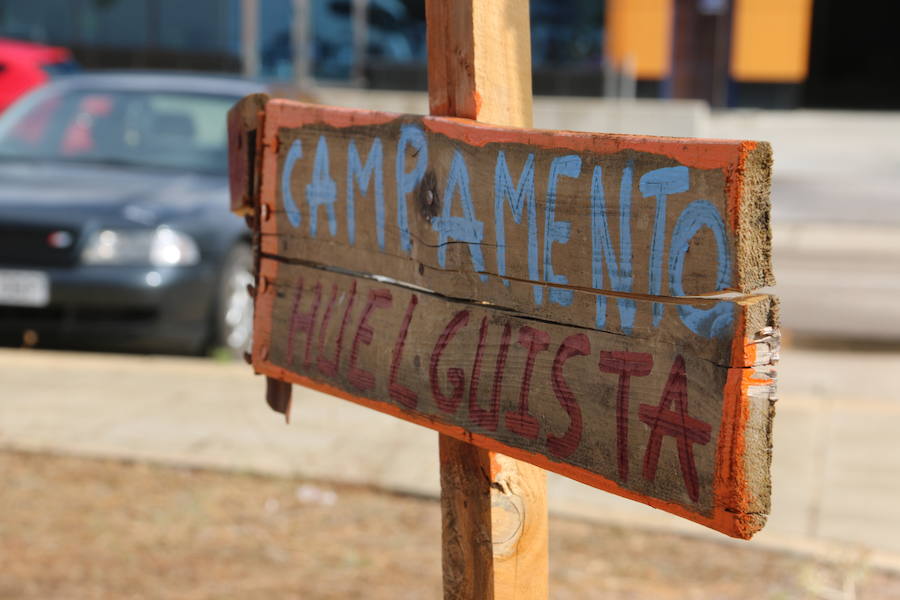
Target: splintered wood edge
x=754, y=230
x=750, y=478
x=244, y=128
x=762, y=395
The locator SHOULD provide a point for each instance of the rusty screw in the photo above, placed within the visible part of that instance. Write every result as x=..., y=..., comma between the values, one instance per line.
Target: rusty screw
x=265, y=212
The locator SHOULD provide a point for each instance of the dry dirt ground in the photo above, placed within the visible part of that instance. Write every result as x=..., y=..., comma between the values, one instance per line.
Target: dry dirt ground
x=75, y=528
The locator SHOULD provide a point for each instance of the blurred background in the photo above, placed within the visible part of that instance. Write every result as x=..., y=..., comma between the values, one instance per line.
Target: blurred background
x=742, y=53
x=115, y=236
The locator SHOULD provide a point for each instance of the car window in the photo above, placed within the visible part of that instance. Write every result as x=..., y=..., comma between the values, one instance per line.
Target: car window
x=27, y=132
x=203, y=113
x=153, y=129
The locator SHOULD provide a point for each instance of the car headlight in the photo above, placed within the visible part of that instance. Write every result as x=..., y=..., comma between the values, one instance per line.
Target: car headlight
x=162, y=247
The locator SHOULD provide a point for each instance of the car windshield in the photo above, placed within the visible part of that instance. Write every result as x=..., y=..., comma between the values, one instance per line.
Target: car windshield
x=181, y=131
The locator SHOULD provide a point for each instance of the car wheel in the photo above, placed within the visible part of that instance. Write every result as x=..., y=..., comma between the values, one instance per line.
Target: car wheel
x=234, y=308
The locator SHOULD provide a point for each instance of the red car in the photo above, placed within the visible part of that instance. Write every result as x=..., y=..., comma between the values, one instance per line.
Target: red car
x=24, y=66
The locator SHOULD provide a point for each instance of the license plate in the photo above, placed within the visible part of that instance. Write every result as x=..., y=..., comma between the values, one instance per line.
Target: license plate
x=24, y=288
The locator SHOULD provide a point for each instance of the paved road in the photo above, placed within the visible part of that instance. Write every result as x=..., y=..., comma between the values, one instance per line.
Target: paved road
x=836, y=472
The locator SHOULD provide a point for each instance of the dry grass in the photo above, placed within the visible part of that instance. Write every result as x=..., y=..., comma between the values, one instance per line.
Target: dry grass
x=74, y=528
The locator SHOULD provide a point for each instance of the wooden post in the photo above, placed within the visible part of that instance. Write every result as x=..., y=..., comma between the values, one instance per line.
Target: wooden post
x=494, y=508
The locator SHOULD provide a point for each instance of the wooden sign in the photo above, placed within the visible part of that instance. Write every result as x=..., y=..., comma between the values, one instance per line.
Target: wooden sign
x=576, y=301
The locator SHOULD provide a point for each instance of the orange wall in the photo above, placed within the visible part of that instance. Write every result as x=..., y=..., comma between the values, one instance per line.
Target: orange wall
x=770, y=40
x=639, y=34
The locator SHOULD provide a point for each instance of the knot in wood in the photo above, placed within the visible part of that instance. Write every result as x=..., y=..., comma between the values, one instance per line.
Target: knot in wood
x=427, y=198
x=507, y=521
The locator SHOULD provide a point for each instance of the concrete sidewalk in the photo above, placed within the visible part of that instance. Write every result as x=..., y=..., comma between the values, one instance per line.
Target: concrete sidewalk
x=836, y=472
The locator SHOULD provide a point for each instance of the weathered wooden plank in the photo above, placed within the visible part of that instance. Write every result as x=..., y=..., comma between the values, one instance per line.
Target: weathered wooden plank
x=650, y=416
x=463, y=208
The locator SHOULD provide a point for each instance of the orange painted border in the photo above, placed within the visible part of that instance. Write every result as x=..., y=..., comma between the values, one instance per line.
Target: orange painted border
x=731, y=493
x=691, y=152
